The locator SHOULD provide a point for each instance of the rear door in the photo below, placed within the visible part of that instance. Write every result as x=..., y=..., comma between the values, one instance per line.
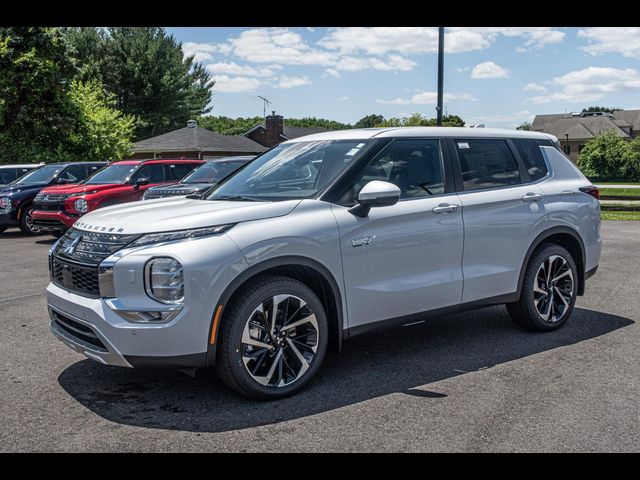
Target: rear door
x=502, y=211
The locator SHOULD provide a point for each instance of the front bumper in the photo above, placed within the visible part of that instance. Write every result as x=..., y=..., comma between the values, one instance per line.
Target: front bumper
x=9, y=219
x=52, y=221
x=89, y=326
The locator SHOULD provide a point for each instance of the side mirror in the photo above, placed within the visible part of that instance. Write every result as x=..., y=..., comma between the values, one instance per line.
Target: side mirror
x=141, y=182
x=62, y=181
x=376, y=193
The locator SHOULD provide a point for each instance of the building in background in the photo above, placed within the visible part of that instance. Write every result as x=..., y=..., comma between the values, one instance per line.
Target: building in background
x=193, y=142
x=274, y=131
x=574, y=130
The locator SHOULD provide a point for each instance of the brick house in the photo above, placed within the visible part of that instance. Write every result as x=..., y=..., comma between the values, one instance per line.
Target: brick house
x=575, y=129
x=274, y=131
x=195, y=142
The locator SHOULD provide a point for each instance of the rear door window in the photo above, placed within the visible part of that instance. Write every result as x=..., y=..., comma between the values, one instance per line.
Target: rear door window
x=529, y=151
x=177, y=171
x=486, y=163
x=154, y=172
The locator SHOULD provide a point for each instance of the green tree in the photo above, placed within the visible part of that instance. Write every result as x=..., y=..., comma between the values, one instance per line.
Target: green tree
x=524, y=126
x=146, y=71
x=417, y=120
x=36, y=116
x=240, y=125
x=601, y=109
x=101, y=131
x=369, y=121
x=609, y=157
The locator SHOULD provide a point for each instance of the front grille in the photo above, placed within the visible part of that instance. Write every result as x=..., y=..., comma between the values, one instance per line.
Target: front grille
x=48, y=206
x=51, y=197
x=78, y=331
x=90, y=248
x=77, y=278
x=49, y=224
x=150, y=196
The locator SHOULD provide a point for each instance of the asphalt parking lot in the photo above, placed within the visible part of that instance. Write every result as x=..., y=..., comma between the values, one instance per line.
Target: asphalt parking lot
x=469, y=382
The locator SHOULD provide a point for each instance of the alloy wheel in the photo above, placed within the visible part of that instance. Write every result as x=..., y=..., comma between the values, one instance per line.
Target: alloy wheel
x=28, y=221
x=280, y=340
x=553, y=288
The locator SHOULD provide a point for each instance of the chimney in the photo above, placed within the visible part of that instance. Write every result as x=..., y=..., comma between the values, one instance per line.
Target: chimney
x=192, y=124
x=275, y=127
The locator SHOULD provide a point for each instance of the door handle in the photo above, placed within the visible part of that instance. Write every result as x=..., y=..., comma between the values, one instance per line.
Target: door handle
x=532, y=197
x=445, y=208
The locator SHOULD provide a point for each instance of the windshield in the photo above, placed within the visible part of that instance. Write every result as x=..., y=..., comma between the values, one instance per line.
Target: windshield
x=39, y=175
x=112, y=174
x=213, y=172
x=291, y=171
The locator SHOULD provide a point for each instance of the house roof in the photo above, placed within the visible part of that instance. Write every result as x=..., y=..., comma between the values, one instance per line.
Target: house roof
x=581, y=128
x=197, y=139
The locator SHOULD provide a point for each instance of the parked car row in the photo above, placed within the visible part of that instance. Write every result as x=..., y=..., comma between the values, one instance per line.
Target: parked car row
x=50, y=198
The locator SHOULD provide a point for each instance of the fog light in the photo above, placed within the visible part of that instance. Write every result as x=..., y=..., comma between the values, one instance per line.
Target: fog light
x=149, y=317
x=164, y=280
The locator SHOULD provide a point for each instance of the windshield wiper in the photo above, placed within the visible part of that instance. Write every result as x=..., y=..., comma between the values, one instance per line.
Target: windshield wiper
x=236, y=198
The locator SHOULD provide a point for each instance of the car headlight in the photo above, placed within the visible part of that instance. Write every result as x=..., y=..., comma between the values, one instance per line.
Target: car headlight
x=5, y=203
x=164, y=280
x=152, y=238
x=81, y=205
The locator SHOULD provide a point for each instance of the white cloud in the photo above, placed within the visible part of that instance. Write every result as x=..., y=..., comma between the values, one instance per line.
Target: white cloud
x=591, y=83
x=623, y=40
x=344, y=99
x=202, y=52
x=392, y=62
x=290, y=82
x=489, y=70
x=225, y=83
x=420, y=40
x=332, y=72
x=231, y=68
x=427, y=98
x=534, y=87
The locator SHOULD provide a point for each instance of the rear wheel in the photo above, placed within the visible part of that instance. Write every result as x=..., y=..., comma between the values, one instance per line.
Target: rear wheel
x=549, y=290
x=2, y=229
x=26, y=222
x=273, y=338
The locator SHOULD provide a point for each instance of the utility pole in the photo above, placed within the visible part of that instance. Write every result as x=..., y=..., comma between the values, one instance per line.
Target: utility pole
x=440, y=75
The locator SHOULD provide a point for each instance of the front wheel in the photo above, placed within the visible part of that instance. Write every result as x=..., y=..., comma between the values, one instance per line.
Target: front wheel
x=2, y=229
x=549, y=290
x=26, y=222
x=272, y=339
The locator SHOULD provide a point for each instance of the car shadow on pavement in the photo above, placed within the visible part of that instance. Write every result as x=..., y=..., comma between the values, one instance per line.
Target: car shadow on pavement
x=401, y=360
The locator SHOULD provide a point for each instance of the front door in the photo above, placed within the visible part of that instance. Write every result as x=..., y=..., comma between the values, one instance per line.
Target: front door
x=406, y=258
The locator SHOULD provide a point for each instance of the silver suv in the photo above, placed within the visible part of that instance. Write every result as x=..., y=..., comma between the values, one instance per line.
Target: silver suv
x=322, y=238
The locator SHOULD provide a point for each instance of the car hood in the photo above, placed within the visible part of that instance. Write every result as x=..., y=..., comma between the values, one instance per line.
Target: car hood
x=168, y=214
x=11, y=189
x=79, y=189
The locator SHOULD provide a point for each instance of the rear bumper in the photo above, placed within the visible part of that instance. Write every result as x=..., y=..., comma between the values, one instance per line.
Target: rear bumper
x=52, y=221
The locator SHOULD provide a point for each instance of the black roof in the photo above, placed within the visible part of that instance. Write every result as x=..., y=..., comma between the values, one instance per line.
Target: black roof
x=198, y=139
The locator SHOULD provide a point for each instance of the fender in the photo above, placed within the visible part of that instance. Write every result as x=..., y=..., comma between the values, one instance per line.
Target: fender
x=540, y=239
x=262, y=267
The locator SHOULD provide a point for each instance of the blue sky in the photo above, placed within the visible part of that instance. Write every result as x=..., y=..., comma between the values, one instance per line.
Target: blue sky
x=498, y=76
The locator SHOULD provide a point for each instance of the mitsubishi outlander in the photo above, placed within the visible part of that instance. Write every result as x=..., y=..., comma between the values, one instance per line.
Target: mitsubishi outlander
x=324, y=237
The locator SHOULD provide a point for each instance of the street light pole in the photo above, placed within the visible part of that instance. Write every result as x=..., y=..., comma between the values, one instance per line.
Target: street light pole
x=440, y=75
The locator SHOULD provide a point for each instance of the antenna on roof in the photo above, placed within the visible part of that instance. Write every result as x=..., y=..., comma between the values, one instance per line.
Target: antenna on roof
x=266, y=102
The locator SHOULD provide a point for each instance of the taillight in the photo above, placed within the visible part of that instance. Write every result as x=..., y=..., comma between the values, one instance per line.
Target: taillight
x=591, y=190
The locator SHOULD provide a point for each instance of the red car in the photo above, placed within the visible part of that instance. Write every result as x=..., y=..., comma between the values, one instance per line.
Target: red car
x=57, y=208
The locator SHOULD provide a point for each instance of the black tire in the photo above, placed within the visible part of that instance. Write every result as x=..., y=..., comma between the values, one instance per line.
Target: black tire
x=26, y=222
x=230, y=366
x=2, y=229
x=525, y=312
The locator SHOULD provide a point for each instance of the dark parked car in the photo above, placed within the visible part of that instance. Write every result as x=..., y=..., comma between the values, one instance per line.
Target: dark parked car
x=9, y=173
x=16, y=199
x=201, y=179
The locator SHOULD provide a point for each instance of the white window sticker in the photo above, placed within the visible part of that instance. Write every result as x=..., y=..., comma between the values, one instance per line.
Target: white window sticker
x=463, y=145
